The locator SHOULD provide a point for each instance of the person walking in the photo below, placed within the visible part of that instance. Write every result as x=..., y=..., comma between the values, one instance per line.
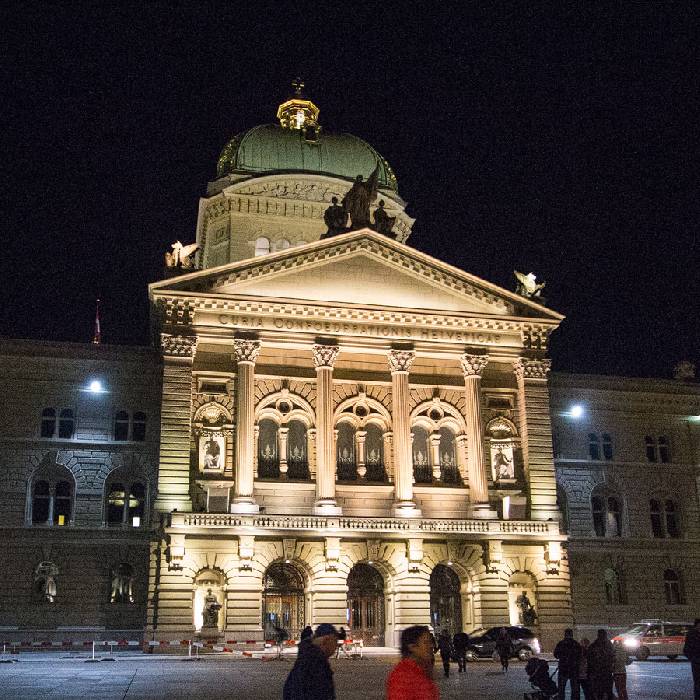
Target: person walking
x=601, y=658
x=504, y=648
x=691, y=650
x=620, y=671
x=583, y=669
x=445, y=646
x=412, y=677
x=460, y=642
x=568, y=653
x=342, y=636
x=311, y=677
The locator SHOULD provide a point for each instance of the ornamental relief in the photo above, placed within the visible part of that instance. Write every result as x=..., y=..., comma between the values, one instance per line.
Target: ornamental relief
x=178, y=345
x=527, y=368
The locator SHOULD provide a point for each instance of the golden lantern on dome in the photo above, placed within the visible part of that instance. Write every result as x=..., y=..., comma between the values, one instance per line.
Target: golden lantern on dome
x=298, y=112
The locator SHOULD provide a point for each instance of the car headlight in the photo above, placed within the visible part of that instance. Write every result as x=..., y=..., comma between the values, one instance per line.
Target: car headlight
x=631, y=643
x=536, y=646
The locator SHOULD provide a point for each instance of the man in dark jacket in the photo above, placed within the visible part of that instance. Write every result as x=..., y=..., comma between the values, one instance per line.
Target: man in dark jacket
x=601, y=659
x=445, y=646
x=460, y=642
x=691, y=649
x=568, y=653
x=311, y=677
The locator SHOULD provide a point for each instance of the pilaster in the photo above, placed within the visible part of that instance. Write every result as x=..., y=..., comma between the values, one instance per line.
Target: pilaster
x=175, y=423
x=536, y=436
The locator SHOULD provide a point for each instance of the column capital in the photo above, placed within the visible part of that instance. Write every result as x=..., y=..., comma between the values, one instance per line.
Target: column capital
x=473, y=365
x=400, y=360
x=325, y=355
x=178, y=345
x=531, y=368
x=245, y=350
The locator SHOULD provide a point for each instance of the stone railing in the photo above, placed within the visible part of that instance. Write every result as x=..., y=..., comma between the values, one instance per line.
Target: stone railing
x=389, y=525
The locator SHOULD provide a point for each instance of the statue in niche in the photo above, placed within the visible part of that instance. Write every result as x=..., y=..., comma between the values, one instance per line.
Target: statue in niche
x=122, y=584
x=359, y=198
x=45, y=580
x=336, y=219
x=502, y=461
x=383, y=223
x=210, y=616
x=212, y=454
x=528, y=616
x=528, y=286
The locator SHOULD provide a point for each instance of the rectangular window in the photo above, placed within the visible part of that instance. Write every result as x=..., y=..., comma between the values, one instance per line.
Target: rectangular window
x=664, y=449
x=607, y=447
x=593, y=446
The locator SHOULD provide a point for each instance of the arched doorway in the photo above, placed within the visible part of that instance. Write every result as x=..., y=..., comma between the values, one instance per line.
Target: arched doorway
x=365, y=612
x=522, y=599
x=445, y=600
x=283, y=600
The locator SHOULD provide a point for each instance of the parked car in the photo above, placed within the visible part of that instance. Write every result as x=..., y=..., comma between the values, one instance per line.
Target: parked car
x=482, y=643
x=654, y=638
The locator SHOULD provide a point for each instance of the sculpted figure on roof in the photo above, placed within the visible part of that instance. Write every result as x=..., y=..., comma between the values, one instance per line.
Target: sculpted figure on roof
x=359, y=198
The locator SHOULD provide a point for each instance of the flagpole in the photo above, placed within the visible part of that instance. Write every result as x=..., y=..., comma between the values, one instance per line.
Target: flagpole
x=96, y=338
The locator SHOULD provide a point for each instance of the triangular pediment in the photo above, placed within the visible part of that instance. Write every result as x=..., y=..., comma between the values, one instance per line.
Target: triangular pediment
x=361, y=268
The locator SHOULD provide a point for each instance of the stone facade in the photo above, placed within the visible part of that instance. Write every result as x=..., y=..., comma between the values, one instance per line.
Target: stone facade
x=54, y=431
x=636, y=442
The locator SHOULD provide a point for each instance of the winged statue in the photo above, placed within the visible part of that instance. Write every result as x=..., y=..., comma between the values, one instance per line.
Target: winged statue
x=180, y=257
x=527, y=285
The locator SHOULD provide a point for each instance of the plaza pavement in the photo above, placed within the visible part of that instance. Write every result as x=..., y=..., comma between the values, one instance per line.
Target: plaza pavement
x=217, y=678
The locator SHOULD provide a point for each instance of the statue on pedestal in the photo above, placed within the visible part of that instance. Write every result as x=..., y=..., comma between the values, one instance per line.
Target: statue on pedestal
x=45, y=580
x=358, y=199
x=383, y=223
x=528, y=616
x=210, y=616
x=122, y=584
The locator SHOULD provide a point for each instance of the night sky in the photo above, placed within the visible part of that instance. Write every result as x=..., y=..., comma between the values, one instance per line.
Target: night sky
x=559, y=139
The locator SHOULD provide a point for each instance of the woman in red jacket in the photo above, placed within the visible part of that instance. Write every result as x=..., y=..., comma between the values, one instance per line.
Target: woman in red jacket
x=412, y=677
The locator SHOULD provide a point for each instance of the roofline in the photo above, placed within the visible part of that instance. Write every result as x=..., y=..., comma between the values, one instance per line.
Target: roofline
x=356, y=235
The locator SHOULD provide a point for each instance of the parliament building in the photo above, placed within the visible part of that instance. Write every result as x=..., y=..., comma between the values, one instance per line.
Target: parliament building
x=332, y=426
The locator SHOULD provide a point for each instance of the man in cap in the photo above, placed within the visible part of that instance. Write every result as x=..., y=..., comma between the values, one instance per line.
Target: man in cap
x=311, y=677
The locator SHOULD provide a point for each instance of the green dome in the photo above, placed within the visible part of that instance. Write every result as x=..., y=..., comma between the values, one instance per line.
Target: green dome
x=270, y=148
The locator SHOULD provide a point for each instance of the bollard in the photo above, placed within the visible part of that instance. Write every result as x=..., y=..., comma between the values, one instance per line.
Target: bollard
x=93, y=659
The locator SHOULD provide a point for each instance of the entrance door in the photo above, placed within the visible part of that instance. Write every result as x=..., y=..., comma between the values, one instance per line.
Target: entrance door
x=366, y=605
x=283, y=601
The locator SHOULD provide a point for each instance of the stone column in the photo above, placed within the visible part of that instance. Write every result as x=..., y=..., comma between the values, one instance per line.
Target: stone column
x=245, y=352
x=175, y=423
x=536, y=436
x=473, y=367
x=360, y=439
x=282, y=435
x=400, y=362
x=324, y=359
x=434, y=449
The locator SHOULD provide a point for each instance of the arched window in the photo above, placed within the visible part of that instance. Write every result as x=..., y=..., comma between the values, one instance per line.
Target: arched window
x=262, y=246
x=345, y=453
x=672, y=529
x=607, y=515
x=282, y=244
x=268, y=451
x=126, y=502
x=657, y=518
x=138, y=427
x=374, y=453
x=121, y=426
x=614, y=590
x=593, y=446
x=607, y=446
x=297, y=457
x=673, y=588
x=422, y=472
x=66, y=424
x=52, y=498
x=449, y=474
x=598, y=508
x=48, y=422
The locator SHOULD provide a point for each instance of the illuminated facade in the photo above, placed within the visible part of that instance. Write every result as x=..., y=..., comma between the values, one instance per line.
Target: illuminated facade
x=351, y=430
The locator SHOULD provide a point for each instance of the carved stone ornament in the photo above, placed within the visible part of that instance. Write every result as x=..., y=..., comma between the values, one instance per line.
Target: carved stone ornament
x=178, y=345
x=527, y=368
x=400, y=360
x=246, y=350
x=325, y=355
x=473, y=365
